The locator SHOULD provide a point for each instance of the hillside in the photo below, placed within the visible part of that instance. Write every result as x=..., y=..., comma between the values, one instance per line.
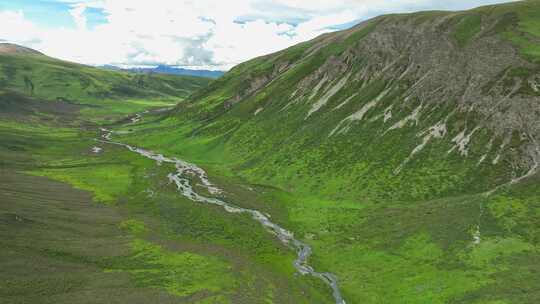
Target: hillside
x=27, y=72
x=406, y=150
x=417, y=85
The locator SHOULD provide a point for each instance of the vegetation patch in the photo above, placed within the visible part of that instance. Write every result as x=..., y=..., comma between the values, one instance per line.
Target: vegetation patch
x=182, y=274
x=133, y=226
x=107, y=182
x=467, y=28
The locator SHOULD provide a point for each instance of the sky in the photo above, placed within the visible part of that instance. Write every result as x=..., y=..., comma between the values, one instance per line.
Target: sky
x=196, y=34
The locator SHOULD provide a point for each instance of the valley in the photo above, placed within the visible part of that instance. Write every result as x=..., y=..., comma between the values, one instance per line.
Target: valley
x=97, y=212
x=393, y=162
x=182, y=180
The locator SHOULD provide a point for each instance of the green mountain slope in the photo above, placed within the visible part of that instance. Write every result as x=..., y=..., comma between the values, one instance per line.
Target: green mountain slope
x=407, y=81
x=28, y=72
x=406, y=151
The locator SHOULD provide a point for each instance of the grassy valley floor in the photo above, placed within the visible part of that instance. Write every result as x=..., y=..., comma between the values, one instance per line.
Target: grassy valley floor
x=90, y=227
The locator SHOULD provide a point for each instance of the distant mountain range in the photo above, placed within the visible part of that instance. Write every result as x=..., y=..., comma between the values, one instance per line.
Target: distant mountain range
x=167, y=69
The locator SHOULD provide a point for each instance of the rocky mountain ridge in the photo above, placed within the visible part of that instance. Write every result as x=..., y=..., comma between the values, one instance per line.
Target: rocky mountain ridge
x=460, y=79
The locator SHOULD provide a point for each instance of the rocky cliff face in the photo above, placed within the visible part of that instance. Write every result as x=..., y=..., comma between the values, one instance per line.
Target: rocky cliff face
x=463, y=88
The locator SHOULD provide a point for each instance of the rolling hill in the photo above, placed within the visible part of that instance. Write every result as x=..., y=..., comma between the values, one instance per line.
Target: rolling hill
x=27, y=72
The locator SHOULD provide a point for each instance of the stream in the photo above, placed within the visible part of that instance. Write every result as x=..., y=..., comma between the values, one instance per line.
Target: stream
x=181, y=178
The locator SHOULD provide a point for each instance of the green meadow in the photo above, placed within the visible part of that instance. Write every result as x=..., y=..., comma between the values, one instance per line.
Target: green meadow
x=411, y=246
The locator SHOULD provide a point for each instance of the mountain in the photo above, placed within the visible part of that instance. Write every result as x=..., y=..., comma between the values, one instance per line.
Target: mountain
x=453, y=91
x=406, y=150
x=29, y=72
x=166, y=69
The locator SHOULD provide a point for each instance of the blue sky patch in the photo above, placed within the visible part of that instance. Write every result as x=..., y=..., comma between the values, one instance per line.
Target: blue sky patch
x=95, y=17
x=49, y=14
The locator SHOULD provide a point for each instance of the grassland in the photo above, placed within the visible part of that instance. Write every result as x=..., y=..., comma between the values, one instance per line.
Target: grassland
x=414, y=249
x=91, y=227
x=171, y=245
x=427, y=235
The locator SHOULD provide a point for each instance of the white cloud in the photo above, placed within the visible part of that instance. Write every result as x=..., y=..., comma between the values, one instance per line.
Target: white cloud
x=14, y=27
x=202, y=33
x=77, y=12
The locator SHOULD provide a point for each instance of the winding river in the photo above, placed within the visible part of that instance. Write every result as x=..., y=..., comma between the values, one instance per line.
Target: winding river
x=182, y=179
